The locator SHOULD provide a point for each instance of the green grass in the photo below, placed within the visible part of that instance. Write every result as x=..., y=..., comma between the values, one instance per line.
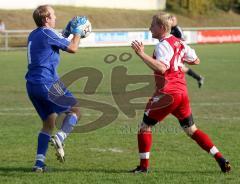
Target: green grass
x=89, y=157
x=118, y=18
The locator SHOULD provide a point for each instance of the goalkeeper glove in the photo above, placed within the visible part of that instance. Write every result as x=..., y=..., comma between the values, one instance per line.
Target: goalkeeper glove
x=77, y=25
x=66, y=31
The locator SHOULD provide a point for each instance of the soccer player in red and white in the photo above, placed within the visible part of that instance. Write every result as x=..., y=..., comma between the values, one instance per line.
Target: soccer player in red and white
x=171, y=96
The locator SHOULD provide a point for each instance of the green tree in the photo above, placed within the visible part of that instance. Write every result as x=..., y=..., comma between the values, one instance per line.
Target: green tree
x=225, y=5
x=197, y=6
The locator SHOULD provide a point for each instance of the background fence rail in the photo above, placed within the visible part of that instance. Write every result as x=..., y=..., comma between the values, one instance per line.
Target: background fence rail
x=17, y=39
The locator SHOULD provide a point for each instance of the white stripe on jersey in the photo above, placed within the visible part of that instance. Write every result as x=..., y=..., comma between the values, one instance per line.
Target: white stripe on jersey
x=164, y=52
x=190, y=54
x=56, y=33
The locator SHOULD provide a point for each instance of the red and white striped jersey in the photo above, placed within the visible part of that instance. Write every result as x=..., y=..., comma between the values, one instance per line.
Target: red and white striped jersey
x=172, y=52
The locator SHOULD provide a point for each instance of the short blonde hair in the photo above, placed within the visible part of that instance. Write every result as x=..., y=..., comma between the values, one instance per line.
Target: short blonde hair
x=39, y=15
x=163, y=19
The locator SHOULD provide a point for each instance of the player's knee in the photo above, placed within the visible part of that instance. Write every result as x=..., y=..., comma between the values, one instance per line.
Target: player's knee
x=143, y=127
x=190, y=130
x=147, y=123
x=188, y=125
x=76, y=111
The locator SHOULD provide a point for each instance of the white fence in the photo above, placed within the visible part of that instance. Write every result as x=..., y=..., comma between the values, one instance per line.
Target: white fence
x=17, y=39
x=13, y=39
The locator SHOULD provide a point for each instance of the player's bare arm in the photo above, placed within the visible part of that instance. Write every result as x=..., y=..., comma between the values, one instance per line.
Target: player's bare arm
x=74, y=44
x=196, y=62
x=80, y=27
x=154, y=64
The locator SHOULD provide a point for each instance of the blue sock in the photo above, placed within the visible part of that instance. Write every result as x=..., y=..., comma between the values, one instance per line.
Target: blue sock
x=43, y=139
x=67, y=127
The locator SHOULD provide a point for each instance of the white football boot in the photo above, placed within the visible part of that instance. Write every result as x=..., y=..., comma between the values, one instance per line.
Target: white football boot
x=58, y=147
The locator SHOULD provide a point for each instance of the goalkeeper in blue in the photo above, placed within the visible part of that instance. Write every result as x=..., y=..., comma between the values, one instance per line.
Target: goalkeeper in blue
x=47, y=93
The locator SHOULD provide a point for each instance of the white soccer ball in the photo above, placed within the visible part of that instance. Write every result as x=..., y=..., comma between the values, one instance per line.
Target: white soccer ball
x=87, y=29
x=80, y=25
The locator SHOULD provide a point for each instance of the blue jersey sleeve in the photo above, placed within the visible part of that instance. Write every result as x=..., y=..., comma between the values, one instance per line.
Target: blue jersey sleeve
x=55, y=39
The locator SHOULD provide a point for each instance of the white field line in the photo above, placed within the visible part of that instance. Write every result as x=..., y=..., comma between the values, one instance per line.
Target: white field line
x=216, y=104
x=17, y=114
x=194, y=104
x=197, y=104
x=25, y=111
x=217, y=118
x=30, y=111
x=88, y=115
x=28, y=114
x=114, y=150
x=20, y=109
x=16, y=109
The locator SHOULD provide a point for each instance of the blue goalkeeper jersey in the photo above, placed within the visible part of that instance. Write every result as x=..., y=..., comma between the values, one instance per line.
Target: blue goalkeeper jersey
x=43, y=55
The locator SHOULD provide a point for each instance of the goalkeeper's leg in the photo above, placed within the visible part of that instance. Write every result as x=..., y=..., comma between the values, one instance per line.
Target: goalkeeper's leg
x=67, y=127
x=43, y=139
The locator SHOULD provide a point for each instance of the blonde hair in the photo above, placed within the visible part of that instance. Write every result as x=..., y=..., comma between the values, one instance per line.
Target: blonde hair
x=164, y=19
x=40, y=14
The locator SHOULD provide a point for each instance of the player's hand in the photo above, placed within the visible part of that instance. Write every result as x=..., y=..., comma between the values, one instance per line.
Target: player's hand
x=77, y=25
x=66, y=31
x=138, y=47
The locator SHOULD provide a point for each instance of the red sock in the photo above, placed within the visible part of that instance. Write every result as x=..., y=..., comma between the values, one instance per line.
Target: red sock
x=144, y=147
x=205, y=143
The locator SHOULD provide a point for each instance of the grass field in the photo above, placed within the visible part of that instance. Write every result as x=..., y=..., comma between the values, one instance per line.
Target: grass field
x=105, y=155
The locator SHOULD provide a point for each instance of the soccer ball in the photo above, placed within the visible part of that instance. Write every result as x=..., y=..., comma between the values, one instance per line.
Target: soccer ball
x=81, y=25
x=87, y=28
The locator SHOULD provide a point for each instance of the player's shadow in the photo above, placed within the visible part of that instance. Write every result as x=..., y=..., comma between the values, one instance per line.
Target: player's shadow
x=12, y=170
x=125, y=171
x=9, y=170
x=178, y=172
x=92, y=170
x=4, y=171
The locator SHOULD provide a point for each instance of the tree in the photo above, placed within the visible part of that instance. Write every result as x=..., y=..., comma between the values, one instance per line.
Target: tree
x=197, y=6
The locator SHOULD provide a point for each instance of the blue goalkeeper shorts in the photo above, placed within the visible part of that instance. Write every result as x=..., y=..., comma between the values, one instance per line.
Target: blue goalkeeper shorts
x=48, y=99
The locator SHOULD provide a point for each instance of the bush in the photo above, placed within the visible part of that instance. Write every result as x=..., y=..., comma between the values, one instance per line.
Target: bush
x=194, y=7
x=225, y=5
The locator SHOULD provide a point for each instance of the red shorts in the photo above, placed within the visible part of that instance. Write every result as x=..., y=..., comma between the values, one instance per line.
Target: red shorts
x=160, y=105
